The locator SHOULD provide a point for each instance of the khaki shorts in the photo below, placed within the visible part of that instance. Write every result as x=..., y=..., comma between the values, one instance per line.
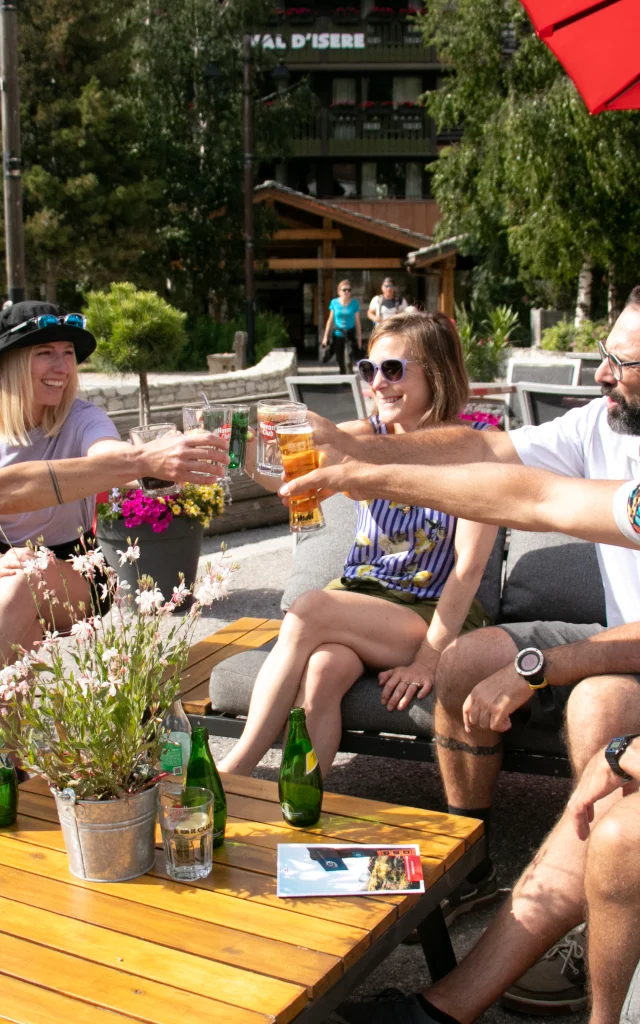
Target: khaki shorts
x=476, y=617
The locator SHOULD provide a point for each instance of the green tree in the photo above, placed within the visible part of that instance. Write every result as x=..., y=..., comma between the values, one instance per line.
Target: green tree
x=136, y=331
x=91, y=197
x=539, y=189
x=189, y=86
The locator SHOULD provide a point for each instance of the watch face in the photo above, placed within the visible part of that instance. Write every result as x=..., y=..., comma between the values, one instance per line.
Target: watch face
x=615, y=744
x=529, y=662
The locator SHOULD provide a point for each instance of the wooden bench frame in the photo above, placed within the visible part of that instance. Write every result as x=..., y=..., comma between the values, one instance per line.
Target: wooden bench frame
x=249, y=634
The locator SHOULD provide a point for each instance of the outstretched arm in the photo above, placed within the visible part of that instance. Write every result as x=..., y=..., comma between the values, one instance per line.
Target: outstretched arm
x=516, y=496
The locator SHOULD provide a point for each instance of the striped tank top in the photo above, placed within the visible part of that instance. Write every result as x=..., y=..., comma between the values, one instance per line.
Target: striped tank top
x=403, y=547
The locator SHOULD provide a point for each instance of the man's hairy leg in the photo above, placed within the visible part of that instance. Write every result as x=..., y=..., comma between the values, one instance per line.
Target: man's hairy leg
x=469, y=762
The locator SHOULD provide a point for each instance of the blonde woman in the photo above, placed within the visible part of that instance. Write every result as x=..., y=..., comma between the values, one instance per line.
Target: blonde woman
x=343, y=326
x=409, y=582
x=42, y=419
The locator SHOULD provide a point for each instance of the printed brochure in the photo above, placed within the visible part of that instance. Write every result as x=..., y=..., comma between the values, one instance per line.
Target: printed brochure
x=320, y=870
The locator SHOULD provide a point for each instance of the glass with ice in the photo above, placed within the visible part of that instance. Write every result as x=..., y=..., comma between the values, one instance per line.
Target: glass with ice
x=186, y=821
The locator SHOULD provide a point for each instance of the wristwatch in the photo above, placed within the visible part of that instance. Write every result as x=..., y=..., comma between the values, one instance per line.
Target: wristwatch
x=529, y=664
x=614, y=752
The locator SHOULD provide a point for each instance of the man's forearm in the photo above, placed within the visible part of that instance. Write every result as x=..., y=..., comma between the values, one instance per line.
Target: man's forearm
x=436, y=446
x=28, y=486
x=516, y=496
x=614, y=651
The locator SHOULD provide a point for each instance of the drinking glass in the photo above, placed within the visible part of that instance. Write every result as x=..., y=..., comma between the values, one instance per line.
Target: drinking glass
x=297, y=448
x=270, y=413
x=152, y=485
x=238, y=442
x=214, y=418
x=186, y=822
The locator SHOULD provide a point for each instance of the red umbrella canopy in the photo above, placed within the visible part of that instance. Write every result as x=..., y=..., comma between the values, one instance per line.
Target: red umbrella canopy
x=598, y=44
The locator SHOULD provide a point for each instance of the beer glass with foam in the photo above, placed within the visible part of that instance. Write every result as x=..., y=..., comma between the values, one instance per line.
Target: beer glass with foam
x=299, y=456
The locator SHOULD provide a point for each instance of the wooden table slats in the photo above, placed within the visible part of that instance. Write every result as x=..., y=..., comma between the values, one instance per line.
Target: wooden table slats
x=224, y=949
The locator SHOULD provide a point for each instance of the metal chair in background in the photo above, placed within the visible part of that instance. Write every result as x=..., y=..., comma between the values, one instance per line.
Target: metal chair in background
x=541, y=403
x=560, y=371
x=336, y=396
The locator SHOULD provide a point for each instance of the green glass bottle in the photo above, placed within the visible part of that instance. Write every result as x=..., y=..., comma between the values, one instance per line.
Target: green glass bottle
x=202, y=772
x=8, y=792
x=300, y=782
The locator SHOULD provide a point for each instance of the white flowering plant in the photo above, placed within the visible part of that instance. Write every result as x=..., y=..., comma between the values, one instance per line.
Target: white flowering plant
x=89, y=714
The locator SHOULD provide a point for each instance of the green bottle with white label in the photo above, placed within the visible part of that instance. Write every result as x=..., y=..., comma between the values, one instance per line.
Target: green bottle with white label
x=177, y=750
x=300, y=782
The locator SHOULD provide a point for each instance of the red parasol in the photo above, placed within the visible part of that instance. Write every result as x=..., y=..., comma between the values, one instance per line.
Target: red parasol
x=598, y=44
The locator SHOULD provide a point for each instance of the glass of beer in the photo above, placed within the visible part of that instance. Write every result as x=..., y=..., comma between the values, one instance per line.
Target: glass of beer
x=270, y=413
x=238, y=442
x=214, y=418
x=186, y=823
x=146, y=432
x=299, y=456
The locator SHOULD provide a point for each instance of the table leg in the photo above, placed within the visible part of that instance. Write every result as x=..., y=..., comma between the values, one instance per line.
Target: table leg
x=436, y=944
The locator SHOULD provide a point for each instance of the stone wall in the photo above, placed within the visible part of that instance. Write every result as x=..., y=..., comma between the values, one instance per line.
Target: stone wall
x=119, y=396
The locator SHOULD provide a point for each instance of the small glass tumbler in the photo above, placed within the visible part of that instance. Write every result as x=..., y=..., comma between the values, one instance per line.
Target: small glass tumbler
x=152, y=485
x=214, y=418
x=299, y=456
x=186, y=822
x=270, y=413
x=238, y=442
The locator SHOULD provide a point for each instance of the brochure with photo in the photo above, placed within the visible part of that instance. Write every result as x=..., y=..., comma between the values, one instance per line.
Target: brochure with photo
x=320, y=870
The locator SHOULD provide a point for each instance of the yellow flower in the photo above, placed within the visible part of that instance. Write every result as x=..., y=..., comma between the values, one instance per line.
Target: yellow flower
x=421, y=578
x=364, y=570
x=423, y=542
x=362, y=541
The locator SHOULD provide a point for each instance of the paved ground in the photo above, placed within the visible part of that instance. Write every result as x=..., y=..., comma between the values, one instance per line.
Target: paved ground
x=526, y=808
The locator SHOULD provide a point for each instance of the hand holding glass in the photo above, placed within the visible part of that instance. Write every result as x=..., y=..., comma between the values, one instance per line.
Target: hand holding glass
x=152, y=485
x=215, y=419
x=270, y=413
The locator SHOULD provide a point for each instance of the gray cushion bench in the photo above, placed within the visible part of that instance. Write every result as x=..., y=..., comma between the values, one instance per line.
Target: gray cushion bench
x=532, y=576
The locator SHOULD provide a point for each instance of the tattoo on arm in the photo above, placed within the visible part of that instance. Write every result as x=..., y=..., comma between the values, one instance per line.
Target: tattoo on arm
x=55, y=484
x=451, y=744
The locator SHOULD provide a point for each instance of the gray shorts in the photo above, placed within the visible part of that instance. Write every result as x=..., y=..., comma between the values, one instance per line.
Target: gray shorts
x=631, y=1009
x=544, y=635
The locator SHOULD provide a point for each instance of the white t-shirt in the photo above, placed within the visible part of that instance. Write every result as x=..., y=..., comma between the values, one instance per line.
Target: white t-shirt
x=582, y=444
x=378, y=307
x=58, y=524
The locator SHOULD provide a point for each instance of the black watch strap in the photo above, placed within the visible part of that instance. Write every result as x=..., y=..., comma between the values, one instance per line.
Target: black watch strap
x=614, y=752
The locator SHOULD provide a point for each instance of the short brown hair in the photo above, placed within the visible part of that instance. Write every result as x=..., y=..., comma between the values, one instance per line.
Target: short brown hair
x=435, y=343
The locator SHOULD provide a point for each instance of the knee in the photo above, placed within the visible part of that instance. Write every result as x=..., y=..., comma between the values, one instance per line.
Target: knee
x=327, y=680
x=612, y=871
x=456, y=674
x=592, y=711
x=307, y=613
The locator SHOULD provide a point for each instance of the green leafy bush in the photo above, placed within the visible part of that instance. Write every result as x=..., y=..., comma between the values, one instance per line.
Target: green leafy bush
x=208, y=336
x=485, y=341
x=564, y=337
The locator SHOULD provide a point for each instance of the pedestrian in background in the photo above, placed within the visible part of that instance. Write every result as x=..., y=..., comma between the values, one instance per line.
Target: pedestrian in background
x=387, y=303
x=343, y=328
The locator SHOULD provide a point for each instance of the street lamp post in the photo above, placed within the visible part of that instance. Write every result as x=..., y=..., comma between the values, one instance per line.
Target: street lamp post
x=11, y=157
x=250, y=297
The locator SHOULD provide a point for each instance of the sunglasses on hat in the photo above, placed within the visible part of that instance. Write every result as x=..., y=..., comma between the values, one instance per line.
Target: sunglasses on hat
x=49, y=320
x=393, y=370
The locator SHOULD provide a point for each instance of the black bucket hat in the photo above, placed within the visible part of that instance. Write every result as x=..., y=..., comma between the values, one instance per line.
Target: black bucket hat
x=19, y=328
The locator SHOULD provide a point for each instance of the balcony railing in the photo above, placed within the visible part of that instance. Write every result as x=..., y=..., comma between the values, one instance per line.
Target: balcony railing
x=399, y=132
x=324, y=41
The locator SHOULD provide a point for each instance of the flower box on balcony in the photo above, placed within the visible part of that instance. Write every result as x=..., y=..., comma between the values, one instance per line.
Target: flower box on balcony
x=346, y=16
x=300, y=15
x=380, y=14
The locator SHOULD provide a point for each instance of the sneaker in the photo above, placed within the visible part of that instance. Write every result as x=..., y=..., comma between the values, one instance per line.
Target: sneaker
x=390, y=1007
x=557, y=981
x=471, y=895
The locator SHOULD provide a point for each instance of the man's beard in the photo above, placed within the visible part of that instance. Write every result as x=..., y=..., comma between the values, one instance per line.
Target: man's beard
x=624, y=417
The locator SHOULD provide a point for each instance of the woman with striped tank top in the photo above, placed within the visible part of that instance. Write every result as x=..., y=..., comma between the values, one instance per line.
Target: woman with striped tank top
x=409, y=582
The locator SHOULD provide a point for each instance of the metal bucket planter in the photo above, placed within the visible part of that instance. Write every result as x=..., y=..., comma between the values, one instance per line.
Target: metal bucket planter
x=163, y=556
x=108, y=840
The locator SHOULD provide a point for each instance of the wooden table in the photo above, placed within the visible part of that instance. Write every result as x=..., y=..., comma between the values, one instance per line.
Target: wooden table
x=225, y=950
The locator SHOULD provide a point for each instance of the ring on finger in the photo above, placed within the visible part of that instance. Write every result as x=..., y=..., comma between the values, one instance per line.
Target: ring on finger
x=413, y=684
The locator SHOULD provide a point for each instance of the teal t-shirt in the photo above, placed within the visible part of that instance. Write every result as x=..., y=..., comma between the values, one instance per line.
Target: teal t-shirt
x=344, y=317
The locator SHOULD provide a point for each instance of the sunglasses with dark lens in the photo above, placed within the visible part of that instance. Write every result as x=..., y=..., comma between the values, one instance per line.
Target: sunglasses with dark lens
x=345, y=289
x=393, y=370
x=49, y=320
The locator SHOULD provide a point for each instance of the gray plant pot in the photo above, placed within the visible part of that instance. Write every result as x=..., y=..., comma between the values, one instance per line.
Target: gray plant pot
x=163, y=556
x=108, y=840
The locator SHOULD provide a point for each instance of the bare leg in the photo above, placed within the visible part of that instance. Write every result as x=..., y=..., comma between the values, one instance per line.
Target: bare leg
x=612, y=885
x=469, y=762
x=379, y=632
x=331, y=671
x=600, y=707
x=19, y=614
